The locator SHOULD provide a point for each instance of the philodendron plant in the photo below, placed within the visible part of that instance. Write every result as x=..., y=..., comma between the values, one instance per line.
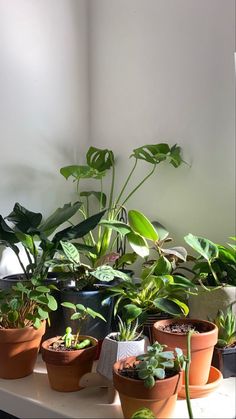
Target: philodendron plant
x=160, y=288
x=36, y=235
x=216, y=264
x=98, y=164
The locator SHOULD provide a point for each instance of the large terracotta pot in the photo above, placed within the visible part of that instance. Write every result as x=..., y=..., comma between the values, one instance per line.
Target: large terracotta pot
x=113, y=350
x=19, y=350
x=65, y=368
x=202, y=345
x=160, y=399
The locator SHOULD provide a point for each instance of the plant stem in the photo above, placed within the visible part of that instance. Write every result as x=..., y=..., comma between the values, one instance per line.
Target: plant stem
x=126, y=183
x=138, y=186
x=213, y=273
x=112, y=186
x=186, y=374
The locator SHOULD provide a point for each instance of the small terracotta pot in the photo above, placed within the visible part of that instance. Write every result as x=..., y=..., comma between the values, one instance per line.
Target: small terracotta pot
x=160, y=399
x=65, y=368
x=202, y=345
x=19, y=350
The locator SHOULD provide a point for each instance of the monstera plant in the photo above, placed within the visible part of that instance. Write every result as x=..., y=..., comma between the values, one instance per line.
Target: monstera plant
x=99, y=164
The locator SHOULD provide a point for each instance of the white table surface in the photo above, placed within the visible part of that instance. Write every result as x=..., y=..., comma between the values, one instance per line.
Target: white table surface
x=31, y=397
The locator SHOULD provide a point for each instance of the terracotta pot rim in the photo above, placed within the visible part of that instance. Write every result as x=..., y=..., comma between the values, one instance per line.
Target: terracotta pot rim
x=212, y=326
x=13, y=330
x=132, y=380
x=48, y=342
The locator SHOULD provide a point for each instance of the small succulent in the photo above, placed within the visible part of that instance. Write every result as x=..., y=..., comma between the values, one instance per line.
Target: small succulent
x=226, y=323
x=128, y=326
x=156, y=361
x=143, y=413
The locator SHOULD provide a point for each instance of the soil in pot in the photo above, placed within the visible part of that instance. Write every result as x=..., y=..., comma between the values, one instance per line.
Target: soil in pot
x=66, y=367
x=173, y=333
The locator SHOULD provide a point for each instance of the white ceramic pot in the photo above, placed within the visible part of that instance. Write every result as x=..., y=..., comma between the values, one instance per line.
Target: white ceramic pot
x=113, y=350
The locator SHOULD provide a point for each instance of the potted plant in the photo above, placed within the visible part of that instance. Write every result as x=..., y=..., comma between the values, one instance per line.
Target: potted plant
x=149, y=381
x=40, y=242
x=85, y=285
x=214, y=273
x=224, y=355
x=24, y=309
x=98, y=164
x=126, y=342
x=172, y=332
x=160, y=292
x=71, y=356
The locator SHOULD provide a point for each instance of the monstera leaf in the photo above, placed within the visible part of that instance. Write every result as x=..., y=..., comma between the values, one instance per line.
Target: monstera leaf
x=100, y=159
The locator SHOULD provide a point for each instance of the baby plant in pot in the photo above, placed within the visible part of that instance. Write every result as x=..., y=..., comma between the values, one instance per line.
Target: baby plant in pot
x=24, y=310
x=214, y=271
x=70, y=356
x=224, y=356
x=99, y=162
x=151, y=381
x=86, y=285
x=128, y=341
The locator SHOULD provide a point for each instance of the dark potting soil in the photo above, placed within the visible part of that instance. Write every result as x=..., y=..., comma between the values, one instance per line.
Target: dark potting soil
x=130, y=371
x=184, y=328
x=59, y=346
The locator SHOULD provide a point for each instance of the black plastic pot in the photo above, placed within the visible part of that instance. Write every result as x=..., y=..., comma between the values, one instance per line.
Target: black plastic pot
x=224, y=359
x=149, y=322
x=94, y=300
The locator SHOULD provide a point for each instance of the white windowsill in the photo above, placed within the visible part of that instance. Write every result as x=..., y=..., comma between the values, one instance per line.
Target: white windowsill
x=31, y=397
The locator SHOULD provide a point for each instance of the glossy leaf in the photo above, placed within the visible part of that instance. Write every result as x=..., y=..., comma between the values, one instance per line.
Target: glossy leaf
x=7, y=235
x=23, y=219
x=60, y=216
x=81, y=172
x=152, y=153
x=204, y=247
x=118, y=226
x=70, y=252
x=161, y=230
x=141, y=225
x=100, y=159
x=178, y=251
x=130, y=312
x=168, y=306
x=138, y=244
x=162, y=266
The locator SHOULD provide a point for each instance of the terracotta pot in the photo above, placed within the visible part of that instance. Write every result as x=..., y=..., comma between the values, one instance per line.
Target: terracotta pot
x=202, y=345
x=113, y=350
x=149, y=322
x=160, y=399
x=19, y=350
x=65, y=368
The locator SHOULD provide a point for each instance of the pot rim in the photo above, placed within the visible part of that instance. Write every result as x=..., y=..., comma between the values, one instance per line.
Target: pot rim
x=212, y=326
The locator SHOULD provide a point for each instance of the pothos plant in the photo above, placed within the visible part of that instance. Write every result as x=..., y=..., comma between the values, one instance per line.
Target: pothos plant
x=98, y=164
x=216, y=263
x=38, y=238
x=161, y=288
x=26, y=304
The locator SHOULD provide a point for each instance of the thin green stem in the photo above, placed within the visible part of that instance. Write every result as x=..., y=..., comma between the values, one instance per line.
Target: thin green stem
x=213, y=273
x=186, y=374
x=112, y=186
x=126, y=183
x=22, y=266
x=138, y=186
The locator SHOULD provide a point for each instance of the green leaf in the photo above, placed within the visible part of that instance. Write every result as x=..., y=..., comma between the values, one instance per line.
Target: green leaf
x=52, y=303
x=27, y=241
x=23, y=219
x=80, y=307
x=81, y=172
x=101, y=196
x=160, y=373
x=43, y=289
x=37, y=323
x=152, y=153
x=138, y=244
x=42, y=313
x=162, y=266
x=70, y=252
x=149, y=382
x=68, y=305
x=178, y=251
x=141, y=225
x=7, y=235
x=127, y=259
x=95, y=314
x=131, y=312
x=80, y=230
x=100, y=159
x=104, y=273
x=76, y=316
x=168, y=306
x=118, y=226
x=204, y=247
x=60, y=216
x=13, y=316
x=161, y=230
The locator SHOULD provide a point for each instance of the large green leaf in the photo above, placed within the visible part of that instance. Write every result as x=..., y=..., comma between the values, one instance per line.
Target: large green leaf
x=161, y=230
x=138, y=244
x=118, y=226
x=152, y=153
x=81, y=172
x=141, y=225
x=168, y=306
x=60, y=216
x=79, y=230
x=70, y=252
x=204, y=247
x=23, y=219
x=130, y=312
x=7, y=235
x=162, y=266
x=27, y=241
x=175, y=156
x=100, y=159
x=178, y=251
x=101, y=196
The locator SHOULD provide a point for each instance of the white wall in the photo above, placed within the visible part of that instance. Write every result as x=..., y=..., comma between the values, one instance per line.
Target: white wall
x=43, y=102
x=120, y=73
x=163, y=70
